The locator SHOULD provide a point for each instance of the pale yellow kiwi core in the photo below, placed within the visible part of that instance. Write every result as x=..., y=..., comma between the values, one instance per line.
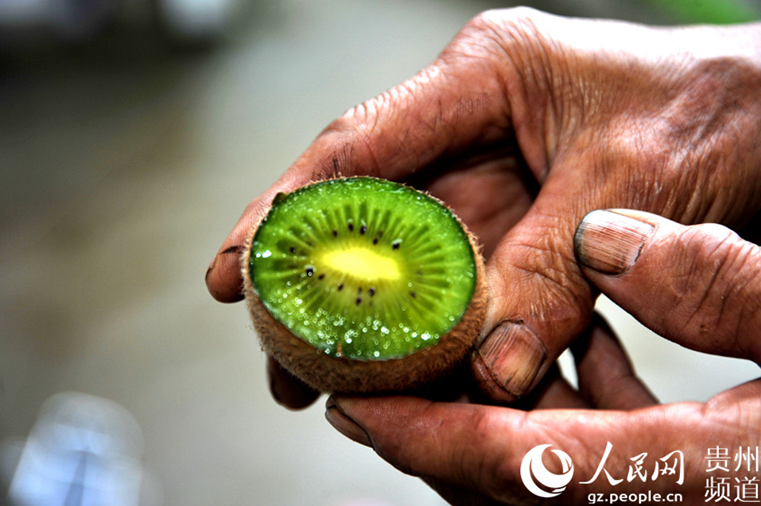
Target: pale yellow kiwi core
x=361, y=263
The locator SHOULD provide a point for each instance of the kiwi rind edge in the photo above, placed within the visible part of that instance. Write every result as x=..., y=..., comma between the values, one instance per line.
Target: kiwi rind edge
x=330, y=374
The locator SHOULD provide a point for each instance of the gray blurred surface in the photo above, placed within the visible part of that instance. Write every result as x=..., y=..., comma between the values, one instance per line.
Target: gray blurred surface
x=119, y=178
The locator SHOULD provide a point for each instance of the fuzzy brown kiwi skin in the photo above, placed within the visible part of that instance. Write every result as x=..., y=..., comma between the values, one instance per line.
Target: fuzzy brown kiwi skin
x=330, y=374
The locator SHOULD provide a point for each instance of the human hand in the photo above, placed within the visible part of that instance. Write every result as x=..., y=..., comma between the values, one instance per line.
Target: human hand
x=523, y=124
x=699, y=286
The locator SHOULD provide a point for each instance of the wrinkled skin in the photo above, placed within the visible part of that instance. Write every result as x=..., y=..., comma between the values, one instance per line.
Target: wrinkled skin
x=524, y=124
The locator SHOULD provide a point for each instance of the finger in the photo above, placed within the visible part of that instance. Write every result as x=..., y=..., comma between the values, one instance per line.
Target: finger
x=224, y=263
x=539, y=299
x=454, y=103
x=481, y=448
x=288, y=390
x=699, y=285
x=605, y=375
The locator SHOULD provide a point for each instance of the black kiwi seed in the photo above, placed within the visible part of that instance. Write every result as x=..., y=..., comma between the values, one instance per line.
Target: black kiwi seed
x=292, y=250
x=309, y=271
x=321, y=276
x=375, y=241
x=340, y=286
x=395, y=244
x=371, y=292
x=351, y=227
x=413, y=294
x=363, y=229
x=335, y=233
x=359, y=300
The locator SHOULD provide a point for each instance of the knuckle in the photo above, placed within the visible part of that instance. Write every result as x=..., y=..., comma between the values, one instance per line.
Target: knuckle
x=496, y=471
x=345, y=147
x=547, y=274
x=711, y=288
x=735, y=412
x=496, y=33
x=521, y=17
x=359, y=117
x=630, y=155
x=496, y=18
x=716, y=252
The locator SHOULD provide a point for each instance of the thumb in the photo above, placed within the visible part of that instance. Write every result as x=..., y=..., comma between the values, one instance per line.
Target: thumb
x=699, y=285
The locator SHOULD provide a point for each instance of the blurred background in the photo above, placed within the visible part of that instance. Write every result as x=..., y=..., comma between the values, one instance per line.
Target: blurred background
x=132, y=135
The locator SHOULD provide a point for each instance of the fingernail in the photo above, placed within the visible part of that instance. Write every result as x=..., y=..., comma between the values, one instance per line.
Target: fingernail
x=345, y=425
x=231, y=250
x=513, y=356
x=219, y=276
x=211, y=268
x=237, y=249
x=610, y=242
x=287, y=390
x=272, y=380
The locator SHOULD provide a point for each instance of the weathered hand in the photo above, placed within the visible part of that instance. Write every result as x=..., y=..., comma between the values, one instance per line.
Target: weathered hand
x=523, y=124
x=699, y=286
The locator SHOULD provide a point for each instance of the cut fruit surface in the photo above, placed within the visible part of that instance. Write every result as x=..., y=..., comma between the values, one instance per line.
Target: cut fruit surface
x=363, y=268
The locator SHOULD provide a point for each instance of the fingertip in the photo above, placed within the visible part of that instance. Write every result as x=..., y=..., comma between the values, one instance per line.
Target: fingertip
x=287, y=390
x=223, y=278
x=344, y=424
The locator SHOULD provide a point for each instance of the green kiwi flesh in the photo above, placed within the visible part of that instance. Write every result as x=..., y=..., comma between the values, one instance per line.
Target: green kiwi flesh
x=364, y=285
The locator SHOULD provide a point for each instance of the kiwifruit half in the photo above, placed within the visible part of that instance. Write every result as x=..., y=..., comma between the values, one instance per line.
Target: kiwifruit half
x=364, y=285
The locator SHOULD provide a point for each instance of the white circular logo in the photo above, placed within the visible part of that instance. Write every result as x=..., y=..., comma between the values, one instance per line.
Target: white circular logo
x=534, y=474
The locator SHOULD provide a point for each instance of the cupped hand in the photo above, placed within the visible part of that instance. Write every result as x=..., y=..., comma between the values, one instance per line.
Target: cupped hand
x=699, y=286
x=523, y=124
